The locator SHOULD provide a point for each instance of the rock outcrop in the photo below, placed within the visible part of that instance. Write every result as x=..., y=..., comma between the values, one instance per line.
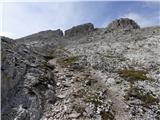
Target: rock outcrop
x=123, y=23
x=8, y=63
x=79, y=30
x=41, y=38
x=27, y=82
x=46, y=34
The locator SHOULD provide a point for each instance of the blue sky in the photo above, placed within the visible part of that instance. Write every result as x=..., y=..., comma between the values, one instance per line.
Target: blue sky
x=23, y=18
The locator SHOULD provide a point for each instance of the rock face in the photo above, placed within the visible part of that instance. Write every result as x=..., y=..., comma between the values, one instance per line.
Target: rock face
x=47, y=34
x=79, y=30
x=8, y=63
x=25, y=81
x=123, y=23
x=41, y=38
x=97, y=76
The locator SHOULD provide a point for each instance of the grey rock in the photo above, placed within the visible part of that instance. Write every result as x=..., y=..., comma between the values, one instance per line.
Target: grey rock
x=41, y=38
x=123, y=23
x=50, y=96
x=79, y=30
x=25, y=82
x=74, y=115
x=61, y=96
x=12, y=71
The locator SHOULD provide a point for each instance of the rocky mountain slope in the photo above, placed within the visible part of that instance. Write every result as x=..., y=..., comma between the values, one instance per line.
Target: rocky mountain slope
x=88, y=73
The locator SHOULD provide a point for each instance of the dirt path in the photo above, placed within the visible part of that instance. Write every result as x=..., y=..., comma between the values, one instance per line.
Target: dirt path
x=119, y=106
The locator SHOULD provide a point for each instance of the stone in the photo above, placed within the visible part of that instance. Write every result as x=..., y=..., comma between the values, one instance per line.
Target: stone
x=61, y=96
x=50, y=96
x=58, y=84
x=110, y=81
x=90, y=82
x=74, y=115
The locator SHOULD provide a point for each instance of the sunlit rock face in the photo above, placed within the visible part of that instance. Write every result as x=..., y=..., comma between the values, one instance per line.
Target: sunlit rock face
x=79, y=30
x=41, y=38
x=123, y=23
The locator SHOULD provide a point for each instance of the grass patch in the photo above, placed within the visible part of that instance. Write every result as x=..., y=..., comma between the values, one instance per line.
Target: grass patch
x=146, y=98
x=149, y=99
x=107, y=115
x=47, y=66
x=94, y=99
x=88, y=96
x=79, y=108
x=67, y=61
x=120, y=58
x=80, y=93
x=49, y=57
x=76, y=67
x=133, y=74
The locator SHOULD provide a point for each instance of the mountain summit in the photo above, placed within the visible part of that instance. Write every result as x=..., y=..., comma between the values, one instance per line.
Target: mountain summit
x=123, y=23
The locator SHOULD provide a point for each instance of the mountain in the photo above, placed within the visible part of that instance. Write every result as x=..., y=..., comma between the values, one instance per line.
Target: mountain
x=85, y=73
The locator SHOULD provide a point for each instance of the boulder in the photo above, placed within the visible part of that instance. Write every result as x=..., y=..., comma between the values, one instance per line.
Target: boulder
x=123, y=23
x=79, y=30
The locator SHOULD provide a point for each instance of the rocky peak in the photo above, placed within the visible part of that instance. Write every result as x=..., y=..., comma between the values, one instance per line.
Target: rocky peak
x=55, y=33
x=79, y=30
x=123, y=23
x=42, y=36
x=46, y=34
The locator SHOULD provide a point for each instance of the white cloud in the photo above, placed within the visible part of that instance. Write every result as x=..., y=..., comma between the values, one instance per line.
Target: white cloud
x=24, y=19
x=142, y=20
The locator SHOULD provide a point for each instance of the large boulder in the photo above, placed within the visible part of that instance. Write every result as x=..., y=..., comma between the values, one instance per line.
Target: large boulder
x=123, y=23
x=79, y=30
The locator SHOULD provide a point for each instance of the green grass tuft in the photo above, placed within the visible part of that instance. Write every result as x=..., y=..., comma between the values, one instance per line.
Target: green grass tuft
x=67, y=61
x=146, y=98
x=94, y=99
x=106, y=115
x=133, y=75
